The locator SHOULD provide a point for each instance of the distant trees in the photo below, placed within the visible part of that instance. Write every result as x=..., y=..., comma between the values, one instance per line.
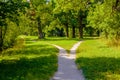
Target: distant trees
x=70, y=18
x=77, y=17
x=105, y=16
x=74, y=13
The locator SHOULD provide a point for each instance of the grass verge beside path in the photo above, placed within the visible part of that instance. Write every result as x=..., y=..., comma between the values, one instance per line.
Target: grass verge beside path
x=98, y=61
x=36, y=61
x=64, y=42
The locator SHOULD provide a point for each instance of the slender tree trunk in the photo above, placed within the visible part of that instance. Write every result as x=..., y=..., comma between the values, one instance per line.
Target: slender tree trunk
x=80, y=31
x=67, y=30
x=98, y=33
x=61, y=32
x=117, y=2
x=115, y=6
x=106, y=34
x=117, y=36
x=80, y=27
x=73, y=32
x=1, y=40
x=40, y=33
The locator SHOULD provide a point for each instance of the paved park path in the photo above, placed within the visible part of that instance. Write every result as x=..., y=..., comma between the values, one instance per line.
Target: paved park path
x=67, y=69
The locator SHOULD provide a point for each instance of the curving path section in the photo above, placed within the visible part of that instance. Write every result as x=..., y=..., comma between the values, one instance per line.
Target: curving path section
x=67, y=69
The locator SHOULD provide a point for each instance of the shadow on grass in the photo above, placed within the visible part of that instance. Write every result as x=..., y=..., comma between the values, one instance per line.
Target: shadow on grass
x=32, y=49
x=40, y=68
x=47, y=39
x=43, y=51
x=101, y=68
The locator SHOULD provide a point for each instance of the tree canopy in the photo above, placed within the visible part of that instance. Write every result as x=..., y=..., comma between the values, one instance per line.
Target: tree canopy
x=70, y=18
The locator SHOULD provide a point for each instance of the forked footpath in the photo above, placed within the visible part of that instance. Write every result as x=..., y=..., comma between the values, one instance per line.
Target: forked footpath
x=67, y=69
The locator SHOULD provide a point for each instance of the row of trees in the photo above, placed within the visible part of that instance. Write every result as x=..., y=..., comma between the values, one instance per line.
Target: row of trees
x=92, y=16
x=70, y=18
x=64, y=14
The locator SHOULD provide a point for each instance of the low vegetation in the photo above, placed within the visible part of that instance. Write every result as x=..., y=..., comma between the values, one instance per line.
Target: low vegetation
x=32, y=59
x=98, y=61
x=36, y=60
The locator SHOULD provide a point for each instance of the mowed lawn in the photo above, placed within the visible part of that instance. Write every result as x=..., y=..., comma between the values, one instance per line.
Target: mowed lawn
x=35, y=60
x=98, y=61
x=63, y=42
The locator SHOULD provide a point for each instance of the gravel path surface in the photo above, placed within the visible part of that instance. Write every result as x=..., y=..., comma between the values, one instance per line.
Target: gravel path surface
x=67, y=69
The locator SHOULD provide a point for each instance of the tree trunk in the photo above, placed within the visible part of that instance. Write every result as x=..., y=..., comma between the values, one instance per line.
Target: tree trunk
x=67, y=30
x=80, y=31
x=40, y=33
x=61, y=32
x=98, y=33
x=1, y=40
x=80, y=27
x=117, y=2
x=117, y=36
x=73, y=32
x=106, y=34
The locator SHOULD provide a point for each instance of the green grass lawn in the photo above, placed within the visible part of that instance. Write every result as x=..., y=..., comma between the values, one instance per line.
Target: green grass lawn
x=35, y=61
x=64, y=42
x=98, y=61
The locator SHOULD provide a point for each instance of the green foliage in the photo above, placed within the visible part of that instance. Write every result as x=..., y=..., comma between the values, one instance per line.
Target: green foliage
x=9, y=20
x=11, y=33
x=25, y=25
x=10, y=8
x=105, y=17
x=98, y=61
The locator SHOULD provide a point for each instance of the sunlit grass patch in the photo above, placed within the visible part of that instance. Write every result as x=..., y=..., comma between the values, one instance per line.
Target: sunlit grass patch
x=36, y=61
x=98, y=61
x=64, y=42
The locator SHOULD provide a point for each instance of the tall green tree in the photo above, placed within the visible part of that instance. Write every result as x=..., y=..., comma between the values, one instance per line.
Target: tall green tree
x=42, y=9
